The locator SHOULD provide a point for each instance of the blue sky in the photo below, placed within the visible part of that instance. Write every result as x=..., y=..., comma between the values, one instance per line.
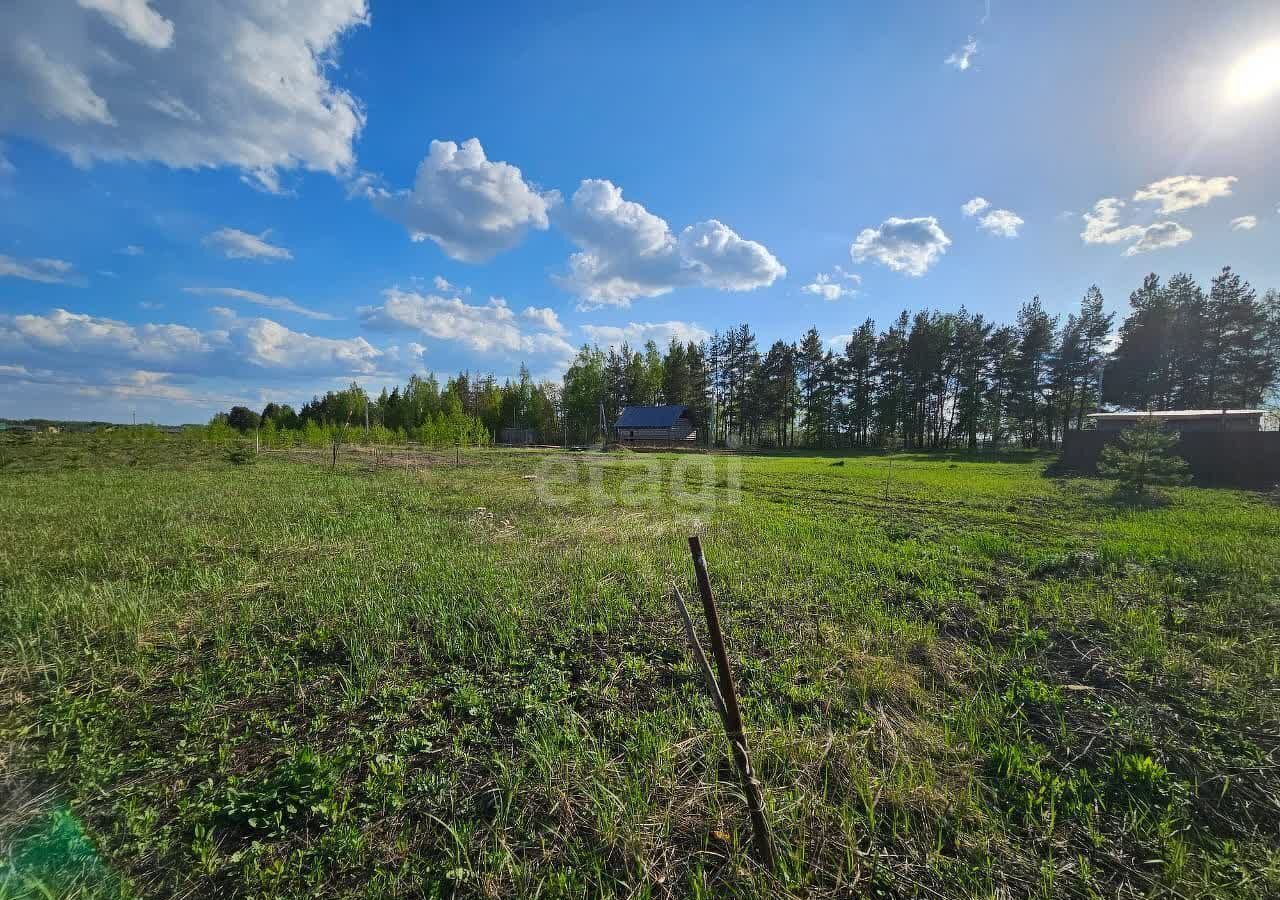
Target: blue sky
x=211, y=203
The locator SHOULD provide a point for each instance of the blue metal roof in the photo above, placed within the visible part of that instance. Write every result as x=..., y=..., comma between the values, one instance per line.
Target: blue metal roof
x=650, y=416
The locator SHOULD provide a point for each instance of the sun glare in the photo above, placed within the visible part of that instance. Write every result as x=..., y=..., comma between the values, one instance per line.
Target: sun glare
x=1255, y=77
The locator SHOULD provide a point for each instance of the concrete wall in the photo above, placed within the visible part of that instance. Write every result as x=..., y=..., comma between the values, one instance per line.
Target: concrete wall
x=1239, y=459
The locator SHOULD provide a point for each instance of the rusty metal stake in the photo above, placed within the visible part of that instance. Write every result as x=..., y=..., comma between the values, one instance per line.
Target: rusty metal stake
x=732, y=714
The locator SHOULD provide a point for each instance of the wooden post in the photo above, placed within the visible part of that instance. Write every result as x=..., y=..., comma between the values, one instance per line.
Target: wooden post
x=699, y=658
x=732, y=712
x=335, y=452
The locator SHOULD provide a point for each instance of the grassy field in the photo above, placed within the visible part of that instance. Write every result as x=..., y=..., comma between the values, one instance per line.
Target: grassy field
x=961, y=678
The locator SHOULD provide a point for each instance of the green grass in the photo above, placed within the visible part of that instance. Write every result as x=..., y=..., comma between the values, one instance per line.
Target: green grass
x=961, y=678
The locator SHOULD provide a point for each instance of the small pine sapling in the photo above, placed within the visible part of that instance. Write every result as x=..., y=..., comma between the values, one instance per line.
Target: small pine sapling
x=1143, y=458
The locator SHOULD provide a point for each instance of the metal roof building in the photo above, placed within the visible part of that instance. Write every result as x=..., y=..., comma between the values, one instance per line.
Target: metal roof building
x=1185, y=420
x=654, y=424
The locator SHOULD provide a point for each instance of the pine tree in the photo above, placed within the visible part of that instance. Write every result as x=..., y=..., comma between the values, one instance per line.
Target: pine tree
x=1035, y=342
x=1002, y=351
x=860, y=381
x=1246, y=370
x=1140, y=372
x=1143, y=457
x=809, y=357
x=1095, y=327
x=973, y=362
x=675, y=374
x=1193, y=342
x=698, y=392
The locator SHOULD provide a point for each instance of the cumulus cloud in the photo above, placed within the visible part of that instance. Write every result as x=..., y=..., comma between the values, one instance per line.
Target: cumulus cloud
x=636, y=334
x=543, y=317
x=1159, y=236
x=63, y=341
x=1102, y=226
x=1001, y=222
x=44, y=270
x=236, y=244
x=132, y=250
x=471, y=206
x=280, y=303
x=828, y=286
x=1185, y=191
x=1244, y=223
x=627, y=252
x=491, y=328
x=1174, y=194
x=269, y=344
x=963, y=58
x=239, y=83
x=909, y=246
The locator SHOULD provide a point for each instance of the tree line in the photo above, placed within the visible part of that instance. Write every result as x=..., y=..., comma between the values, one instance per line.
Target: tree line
x=928, y=380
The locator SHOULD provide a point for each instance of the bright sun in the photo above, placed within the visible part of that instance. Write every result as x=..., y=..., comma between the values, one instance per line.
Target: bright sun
x=1256, y=76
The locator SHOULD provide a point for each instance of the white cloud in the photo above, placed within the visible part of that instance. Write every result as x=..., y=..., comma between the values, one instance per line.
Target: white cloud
x=472, y=207
x=1102, y=226
x=417, y=350
x=6, y=167
x=963, y=58
x=136, y=19
x=543, y=317
x=237, y=244
x=64, y=341
x=1000, y=222
x=828, y=285
x=635, y=334
x=44, y=270
x=1185, y=191
x=491, y=328
x=239, y=83
x=132, y=250
x=280, y=303
x=129, y=385
x=910, y=246
x=269, y=344
x=1244, y=223
x=444, y=286
x=1159, y=236
x=628, y=252
x=1174, y=194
